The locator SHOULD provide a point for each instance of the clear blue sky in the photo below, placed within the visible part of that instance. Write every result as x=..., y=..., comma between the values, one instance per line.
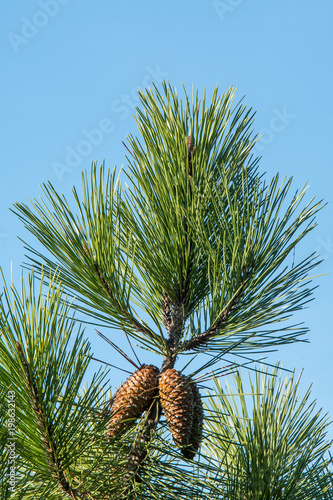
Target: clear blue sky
x=71, y=67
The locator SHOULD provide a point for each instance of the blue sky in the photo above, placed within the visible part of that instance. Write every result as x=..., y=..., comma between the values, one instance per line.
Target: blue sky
x=71, y=72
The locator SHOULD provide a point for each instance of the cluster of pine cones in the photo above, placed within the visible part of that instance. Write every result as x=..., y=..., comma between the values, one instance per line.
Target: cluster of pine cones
x=180, y=400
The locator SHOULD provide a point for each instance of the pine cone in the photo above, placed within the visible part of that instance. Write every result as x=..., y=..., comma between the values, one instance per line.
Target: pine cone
x=133, y=398
x=177, y=400
x=197, y=424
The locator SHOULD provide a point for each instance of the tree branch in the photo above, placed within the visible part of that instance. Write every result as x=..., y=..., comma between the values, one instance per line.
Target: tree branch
x=47, y=431
x=139, y=327
x=186, y=279
x=174, y=317
x=104, y=284
x=139, y=453
x=223, y=318
x=166, y=314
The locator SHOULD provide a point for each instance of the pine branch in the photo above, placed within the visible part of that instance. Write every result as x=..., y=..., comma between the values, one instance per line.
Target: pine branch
x=46, y=429
x=273, y=447
x=221, y=321
x=174, y=318
x=166, y=314
x=139, y=327
x=105, y=286
x=176, y=326
x=139, y=452
x=185, y=287
x=190, y=153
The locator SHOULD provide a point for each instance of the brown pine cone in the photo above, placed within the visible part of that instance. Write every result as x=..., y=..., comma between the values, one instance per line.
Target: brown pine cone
x=133, y=398
x=197, y=424
x=177, y=402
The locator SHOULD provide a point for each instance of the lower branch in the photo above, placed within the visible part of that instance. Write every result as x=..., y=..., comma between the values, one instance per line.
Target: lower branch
x=46, y=429
x=139, y=452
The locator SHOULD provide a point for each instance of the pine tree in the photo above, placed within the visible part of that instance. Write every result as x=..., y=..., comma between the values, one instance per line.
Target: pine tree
x=190, y=259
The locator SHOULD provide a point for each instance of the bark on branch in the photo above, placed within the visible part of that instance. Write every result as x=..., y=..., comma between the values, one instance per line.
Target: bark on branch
x=139, y=451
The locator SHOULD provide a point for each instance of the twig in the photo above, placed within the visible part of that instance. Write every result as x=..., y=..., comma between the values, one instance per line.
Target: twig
x=132, y=321
x=139, y=452
x=205, y=336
